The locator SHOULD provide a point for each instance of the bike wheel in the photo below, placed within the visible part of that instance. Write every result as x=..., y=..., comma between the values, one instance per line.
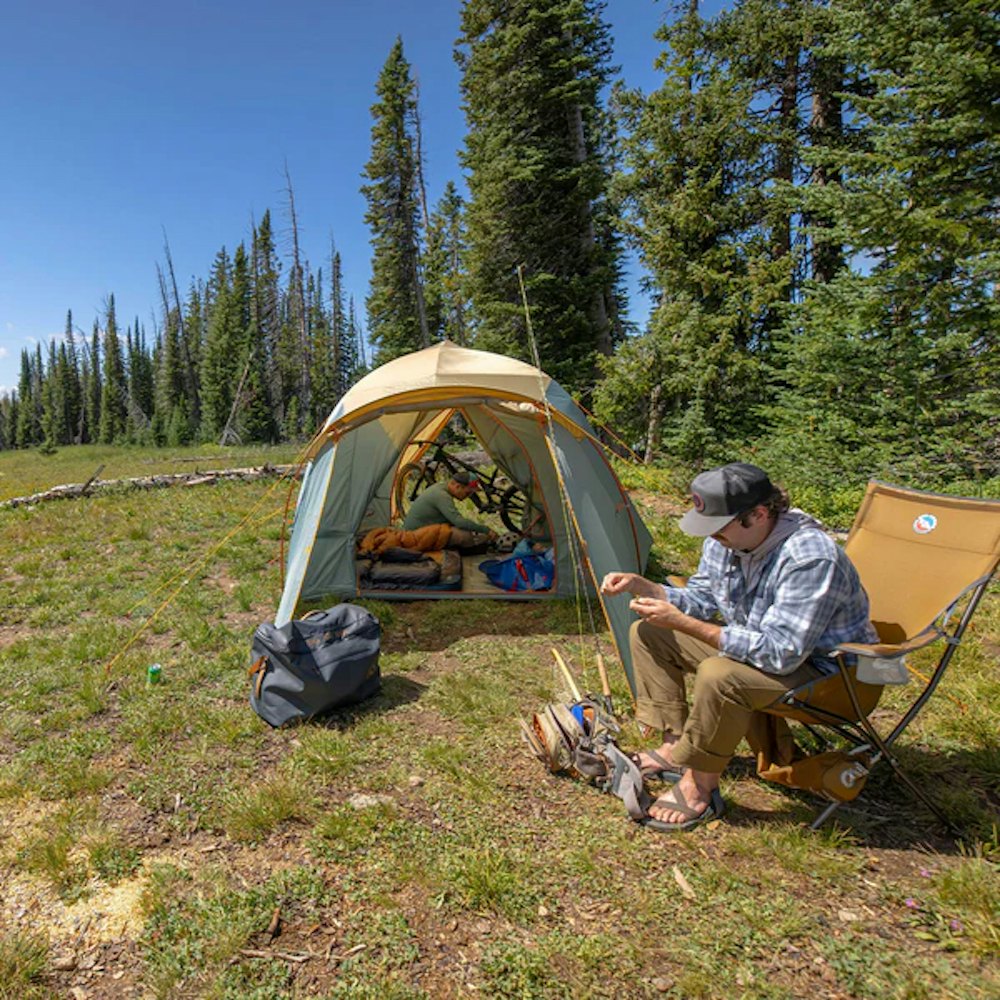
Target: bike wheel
x=513, y=509
x=411, y=479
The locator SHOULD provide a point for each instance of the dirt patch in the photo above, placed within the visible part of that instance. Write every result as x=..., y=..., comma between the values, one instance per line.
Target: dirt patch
x=103, y=913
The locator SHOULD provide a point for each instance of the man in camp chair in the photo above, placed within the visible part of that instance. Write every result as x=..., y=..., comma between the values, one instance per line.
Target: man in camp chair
x=786, y=595
x=436, y=506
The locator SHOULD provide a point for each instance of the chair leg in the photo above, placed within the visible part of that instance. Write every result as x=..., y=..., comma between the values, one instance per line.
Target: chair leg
x=823, y=816
x=881, y=745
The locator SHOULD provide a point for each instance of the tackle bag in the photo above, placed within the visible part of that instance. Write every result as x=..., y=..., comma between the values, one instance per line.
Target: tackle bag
x=578, y=739
x=315, y=664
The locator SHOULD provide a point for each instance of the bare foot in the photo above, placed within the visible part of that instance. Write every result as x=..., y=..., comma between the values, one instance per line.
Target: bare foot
x=650, y=765
x=693, y=790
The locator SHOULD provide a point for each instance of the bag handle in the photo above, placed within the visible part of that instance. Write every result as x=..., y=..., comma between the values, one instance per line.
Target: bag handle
x=258, y=667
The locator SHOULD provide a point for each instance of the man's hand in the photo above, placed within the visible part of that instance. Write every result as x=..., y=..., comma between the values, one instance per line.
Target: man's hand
x=658, y=611
x=631, y=583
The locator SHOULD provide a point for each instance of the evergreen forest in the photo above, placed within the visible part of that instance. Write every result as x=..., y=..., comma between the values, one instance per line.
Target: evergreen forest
x=813, y=192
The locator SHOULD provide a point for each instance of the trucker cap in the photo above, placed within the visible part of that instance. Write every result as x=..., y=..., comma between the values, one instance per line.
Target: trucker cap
x=721, y=494
x=465, y=478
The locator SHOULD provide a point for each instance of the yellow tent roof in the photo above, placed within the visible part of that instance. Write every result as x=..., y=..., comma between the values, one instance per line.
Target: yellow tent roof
x=444, y=366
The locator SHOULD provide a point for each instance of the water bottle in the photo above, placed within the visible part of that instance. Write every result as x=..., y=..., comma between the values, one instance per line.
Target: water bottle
x=153, y=672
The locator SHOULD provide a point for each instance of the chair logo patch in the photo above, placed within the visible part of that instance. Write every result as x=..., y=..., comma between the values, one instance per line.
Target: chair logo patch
x=925, y=524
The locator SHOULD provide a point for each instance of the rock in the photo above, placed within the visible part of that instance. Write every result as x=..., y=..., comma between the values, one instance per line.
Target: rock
x=64, y=963
x=662, y=984
x=415, y=781
x=364, y=801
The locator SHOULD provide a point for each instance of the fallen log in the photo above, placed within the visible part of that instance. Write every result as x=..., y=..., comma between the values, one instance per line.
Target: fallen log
x=95, y=486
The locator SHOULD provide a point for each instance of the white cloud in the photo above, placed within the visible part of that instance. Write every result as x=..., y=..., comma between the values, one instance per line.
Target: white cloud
x=3, y=352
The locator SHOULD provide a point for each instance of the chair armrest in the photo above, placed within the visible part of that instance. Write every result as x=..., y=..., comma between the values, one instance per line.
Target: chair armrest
x=890, y=650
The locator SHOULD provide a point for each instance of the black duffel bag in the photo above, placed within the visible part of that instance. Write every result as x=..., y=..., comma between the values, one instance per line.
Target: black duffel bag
x=313, y=665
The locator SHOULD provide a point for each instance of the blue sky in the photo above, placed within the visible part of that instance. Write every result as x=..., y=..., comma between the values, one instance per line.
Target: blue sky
x=125, y=122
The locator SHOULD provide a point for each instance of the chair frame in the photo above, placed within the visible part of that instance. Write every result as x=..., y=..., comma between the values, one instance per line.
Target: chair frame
x=860, y=731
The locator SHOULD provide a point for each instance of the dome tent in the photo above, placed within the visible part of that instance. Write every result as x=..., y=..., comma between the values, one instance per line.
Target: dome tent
x=528, y=425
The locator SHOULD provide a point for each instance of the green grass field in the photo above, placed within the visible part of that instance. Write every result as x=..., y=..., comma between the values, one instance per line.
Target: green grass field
x=152, y=837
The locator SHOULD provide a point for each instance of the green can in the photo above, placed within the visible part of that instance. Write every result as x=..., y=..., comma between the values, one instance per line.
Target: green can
x=153, y=673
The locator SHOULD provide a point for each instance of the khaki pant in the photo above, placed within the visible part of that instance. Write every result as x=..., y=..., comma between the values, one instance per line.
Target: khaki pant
x=725, y=702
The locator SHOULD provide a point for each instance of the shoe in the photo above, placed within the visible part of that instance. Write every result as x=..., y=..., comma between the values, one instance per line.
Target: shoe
x=674, y=798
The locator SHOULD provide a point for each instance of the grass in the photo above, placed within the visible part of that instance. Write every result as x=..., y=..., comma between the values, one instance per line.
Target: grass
x=23, y=957
x=25, y=472
x=409, y=845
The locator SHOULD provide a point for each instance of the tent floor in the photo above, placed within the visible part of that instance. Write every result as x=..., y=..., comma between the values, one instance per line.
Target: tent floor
x=474, y=584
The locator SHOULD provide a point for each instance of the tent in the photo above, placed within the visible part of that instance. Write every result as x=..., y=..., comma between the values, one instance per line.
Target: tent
x=525, y=422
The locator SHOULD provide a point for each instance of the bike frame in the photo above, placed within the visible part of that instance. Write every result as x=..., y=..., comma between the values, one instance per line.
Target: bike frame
x=487, y=481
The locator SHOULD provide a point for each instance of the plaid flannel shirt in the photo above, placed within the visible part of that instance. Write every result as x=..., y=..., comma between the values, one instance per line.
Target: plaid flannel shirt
x=807, y=600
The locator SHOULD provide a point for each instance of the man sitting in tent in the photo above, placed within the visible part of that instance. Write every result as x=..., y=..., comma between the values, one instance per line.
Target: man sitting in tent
x=436, y=505
x=433, y=522
x=786, y=595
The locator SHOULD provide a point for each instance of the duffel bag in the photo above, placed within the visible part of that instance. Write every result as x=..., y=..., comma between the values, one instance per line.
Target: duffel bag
x=314, y=664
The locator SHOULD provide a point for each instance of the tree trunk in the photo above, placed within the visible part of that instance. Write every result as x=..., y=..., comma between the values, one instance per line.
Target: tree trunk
x=299, y=301
x=425, y=335
x=190, y=375
x=827, y=128
x=655, y=421
x=786, y=145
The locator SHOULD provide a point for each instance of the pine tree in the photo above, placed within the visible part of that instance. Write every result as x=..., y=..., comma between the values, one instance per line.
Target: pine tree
x=8, y=421
x=223, y=344
x=189, y=342
x=895, y=360
x=113, y=387
x=712, y=161
x=265, y=312
x=141, y=390
x=323, y=374
x=73, y=396
x=395, y=299
x=444, y=267
x=54, y=430
x=27, y=431
x=345, y=351
x=536, y=152
x=169, y=382
x=256, y=415
x=356, y=334
x=297, y=308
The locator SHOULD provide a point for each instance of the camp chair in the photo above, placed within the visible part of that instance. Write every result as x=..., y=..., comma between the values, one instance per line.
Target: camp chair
x=923, y=558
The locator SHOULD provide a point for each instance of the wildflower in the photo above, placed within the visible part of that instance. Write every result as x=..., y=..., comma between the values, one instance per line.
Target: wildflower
x=910, y=902
x=955, y=926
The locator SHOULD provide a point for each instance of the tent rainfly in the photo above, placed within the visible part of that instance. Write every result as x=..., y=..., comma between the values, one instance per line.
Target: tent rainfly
x=528, y=425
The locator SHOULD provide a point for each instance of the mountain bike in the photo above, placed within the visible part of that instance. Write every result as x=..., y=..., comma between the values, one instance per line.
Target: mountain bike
x=496, y=493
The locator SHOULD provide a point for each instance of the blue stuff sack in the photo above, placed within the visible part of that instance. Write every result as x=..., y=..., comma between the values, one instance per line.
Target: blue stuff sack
x=527, y=572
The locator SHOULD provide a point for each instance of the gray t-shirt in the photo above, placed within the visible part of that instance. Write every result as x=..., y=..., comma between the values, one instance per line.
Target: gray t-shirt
x=437, y=506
